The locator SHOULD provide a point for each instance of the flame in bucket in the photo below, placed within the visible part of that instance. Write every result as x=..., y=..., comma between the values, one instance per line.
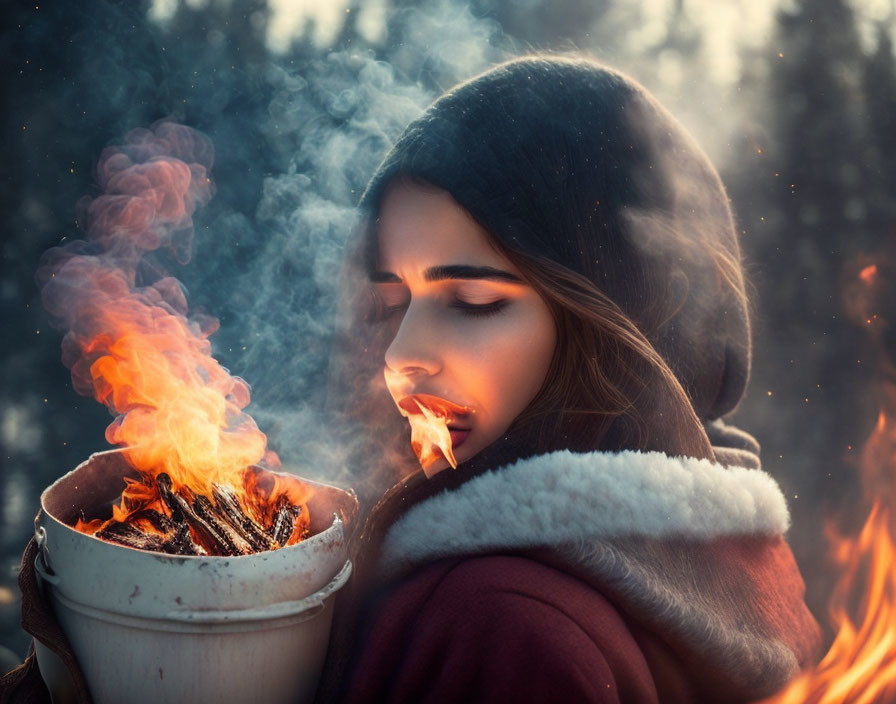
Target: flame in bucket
x=129, y=341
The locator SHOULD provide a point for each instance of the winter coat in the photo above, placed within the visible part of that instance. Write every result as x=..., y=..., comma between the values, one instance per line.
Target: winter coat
x=589, y=577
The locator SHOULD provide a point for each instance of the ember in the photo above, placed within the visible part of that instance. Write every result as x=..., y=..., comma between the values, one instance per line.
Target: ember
x=178, y=522
x=131, y=344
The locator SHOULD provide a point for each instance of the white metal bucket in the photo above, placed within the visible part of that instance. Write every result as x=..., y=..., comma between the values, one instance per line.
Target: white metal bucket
x=150, y=627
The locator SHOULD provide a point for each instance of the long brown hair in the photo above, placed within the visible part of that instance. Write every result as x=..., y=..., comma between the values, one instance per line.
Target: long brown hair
x=607, y=387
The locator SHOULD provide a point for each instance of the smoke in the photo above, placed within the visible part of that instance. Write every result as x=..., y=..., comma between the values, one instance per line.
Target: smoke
x=128, y=340
x=335, y=121
x=298, y=131
x=328, y=123
x=294, y=155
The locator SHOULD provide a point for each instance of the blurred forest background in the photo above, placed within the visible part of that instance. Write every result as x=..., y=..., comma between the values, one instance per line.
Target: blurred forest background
x=795, y=102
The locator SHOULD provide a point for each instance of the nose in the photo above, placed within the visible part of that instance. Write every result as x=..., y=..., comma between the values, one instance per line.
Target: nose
x=415, y=347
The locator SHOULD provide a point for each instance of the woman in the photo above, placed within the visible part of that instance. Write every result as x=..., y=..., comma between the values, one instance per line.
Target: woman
x=550, y=263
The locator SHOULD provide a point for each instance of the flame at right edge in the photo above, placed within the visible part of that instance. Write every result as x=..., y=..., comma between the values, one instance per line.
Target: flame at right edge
x=860, y=666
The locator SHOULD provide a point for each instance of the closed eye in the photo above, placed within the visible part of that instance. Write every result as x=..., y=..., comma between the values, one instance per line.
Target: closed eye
x=389, y=311
x=479, y=309
x=391, y=298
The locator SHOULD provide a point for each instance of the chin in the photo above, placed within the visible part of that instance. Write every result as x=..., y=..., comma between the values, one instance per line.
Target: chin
x=461, y=455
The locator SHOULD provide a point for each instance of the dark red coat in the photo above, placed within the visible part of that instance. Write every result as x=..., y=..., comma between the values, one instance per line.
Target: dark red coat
x=504, y=628
x=596, y=577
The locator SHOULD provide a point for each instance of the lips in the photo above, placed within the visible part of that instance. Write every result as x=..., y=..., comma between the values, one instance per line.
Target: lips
x=440, y=406
x=454, y=414
x=458, y=435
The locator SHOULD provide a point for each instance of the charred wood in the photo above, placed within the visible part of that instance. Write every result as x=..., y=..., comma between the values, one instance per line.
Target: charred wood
x=159, y=521
x=285, y=515
x=207, y=534
x=188, y=524
x=181, y=542
x=176, y=537
x=166, y=493
x=229, y=507
x=181, y=510
x=126, y=534
x=205, y=510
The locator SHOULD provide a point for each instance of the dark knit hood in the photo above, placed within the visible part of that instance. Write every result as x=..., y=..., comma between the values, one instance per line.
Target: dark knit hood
x=574, y=162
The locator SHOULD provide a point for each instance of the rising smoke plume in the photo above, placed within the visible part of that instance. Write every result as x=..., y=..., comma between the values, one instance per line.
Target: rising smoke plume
x=130, y=341
x=272, y=268
x=330, y=123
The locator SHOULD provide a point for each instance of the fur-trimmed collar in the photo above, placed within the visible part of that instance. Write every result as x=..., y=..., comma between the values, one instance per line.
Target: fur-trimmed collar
x=564, y=497
x=690, y=549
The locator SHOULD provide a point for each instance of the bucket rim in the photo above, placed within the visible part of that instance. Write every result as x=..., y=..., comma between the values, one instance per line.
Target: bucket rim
x=336, y=529
x=199, y=619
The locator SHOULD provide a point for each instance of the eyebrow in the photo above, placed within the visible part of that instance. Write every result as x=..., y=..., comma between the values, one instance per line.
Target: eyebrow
x=451, y=271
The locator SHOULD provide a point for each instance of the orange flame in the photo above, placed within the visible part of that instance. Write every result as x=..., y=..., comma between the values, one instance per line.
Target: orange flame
x=860, y=667
x=129, y=341
x=868, y=273
x=430, y=437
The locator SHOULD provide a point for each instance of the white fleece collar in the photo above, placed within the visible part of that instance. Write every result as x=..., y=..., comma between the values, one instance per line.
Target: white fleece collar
x=563, y=497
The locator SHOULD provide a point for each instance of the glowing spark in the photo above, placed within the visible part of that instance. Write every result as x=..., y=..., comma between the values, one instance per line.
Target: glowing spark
x=868, y=273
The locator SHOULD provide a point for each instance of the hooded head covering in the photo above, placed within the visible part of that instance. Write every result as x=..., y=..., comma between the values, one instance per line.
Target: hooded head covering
x=569, y=160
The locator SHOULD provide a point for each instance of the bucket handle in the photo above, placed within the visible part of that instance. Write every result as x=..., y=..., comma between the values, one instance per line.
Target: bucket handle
x=42, y=559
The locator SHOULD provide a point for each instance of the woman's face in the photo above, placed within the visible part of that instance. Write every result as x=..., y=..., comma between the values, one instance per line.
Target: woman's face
x=467, y=329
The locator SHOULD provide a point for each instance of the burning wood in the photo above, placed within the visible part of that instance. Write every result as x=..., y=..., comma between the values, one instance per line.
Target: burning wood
x=180, y=523
x=250, y=530
x=284, y=519
x=132, y=536
x=132, y=344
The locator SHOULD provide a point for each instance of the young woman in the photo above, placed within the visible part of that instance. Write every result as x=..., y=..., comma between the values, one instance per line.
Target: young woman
x=550, y=263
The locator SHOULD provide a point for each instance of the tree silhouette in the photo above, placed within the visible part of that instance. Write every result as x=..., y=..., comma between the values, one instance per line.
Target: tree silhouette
x=812, y=205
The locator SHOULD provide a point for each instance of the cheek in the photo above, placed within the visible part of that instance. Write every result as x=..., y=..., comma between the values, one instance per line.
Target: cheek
x=506, y=359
